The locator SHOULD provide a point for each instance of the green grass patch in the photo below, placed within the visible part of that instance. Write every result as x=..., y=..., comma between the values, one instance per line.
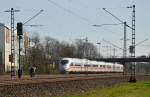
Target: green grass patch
x=139, y=89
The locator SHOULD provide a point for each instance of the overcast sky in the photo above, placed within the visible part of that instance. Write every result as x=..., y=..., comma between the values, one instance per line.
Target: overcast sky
x=68, y=20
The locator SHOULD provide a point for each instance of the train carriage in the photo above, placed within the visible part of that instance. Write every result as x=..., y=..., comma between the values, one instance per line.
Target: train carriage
x=75, y=65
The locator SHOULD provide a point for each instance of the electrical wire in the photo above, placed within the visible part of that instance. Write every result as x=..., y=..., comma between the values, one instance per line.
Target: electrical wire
x=73, y=13
x=112, y=44
x=80, y=3
x=33, y=17
x=70, y=12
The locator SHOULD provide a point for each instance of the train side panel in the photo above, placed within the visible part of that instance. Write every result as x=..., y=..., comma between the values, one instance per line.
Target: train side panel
x=83, y=65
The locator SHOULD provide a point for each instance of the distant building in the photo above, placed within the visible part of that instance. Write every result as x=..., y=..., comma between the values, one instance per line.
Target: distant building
x=5, y=49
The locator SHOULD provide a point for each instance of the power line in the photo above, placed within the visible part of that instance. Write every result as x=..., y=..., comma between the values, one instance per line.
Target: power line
x=117, y=18
x=112, y=44
x=33, y=17
x=34, y=25
x=73, y=13
x=113, y=15
x=106, y=24
x=69, y=11
x=141, y=42
x=81, y=3
x=108, y=30
x=101, y=26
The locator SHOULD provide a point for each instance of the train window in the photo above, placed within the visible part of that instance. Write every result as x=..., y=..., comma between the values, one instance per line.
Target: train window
x=77, y=65
x=101, y=66
x=63, y=62
x=118, y=67
x=87, y=65
x=71, y=64
x=95, y=65
x=108, y=66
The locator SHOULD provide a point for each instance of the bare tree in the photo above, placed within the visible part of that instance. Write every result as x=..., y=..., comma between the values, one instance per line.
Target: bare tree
x=52, y=47
x=35, y=39
x=47, y=54
x=66, y=50
x=36, y=54
x=85, y=49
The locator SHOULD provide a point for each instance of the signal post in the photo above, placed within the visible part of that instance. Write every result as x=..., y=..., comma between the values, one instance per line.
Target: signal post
x=19, y=34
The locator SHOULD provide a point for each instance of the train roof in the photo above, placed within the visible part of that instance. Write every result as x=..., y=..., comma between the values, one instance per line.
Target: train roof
x=77, y=60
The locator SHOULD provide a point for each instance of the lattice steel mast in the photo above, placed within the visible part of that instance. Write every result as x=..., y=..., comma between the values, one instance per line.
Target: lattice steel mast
x=12, y=36
x=132, y=47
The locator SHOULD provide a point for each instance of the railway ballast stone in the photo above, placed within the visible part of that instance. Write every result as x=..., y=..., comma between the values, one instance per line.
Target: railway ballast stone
x=62, y=88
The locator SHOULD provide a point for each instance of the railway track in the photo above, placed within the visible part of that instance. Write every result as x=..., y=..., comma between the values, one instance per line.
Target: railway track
x=7, y=80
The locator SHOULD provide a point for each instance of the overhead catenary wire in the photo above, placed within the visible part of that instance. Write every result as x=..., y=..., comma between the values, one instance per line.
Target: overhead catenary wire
x=106, y=24
x=81, y=3
x=108, y=30
x=73, y=13
x=141, y=42
x=70, y=12
x=102, y=26
x=116, y=18
x=129, y=1
x=33, y=17
x=122, y=48
x=112, y=44
x=113, y=15
x=34, y=25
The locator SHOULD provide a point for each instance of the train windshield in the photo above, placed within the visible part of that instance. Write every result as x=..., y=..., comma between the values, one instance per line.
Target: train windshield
x=63, y=62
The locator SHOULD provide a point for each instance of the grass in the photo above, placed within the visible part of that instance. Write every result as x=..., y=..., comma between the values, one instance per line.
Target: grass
x=139, y=89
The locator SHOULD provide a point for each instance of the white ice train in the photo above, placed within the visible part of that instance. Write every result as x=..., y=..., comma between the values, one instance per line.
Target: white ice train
x=75, y=65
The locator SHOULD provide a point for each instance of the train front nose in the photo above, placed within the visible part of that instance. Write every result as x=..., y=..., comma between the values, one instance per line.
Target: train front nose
x=63, y=65
x=62, y=68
